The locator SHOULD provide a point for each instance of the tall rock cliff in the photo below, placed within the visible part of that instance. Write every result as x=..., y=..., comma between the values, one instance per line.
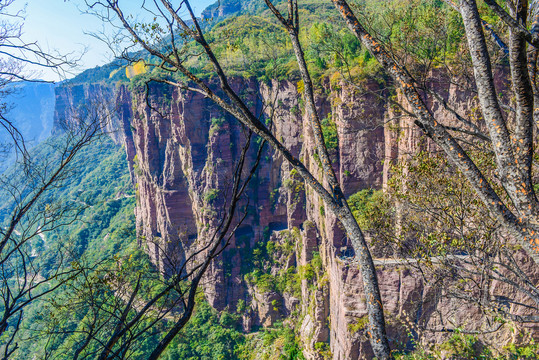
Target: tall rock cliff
x=289, y=259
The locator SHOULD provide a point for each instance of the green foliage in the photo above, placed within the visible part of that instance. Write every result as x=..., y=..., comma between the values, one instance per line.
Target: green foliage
x=257, y=265
x=275, y=304
x=250, y=42
x=252, y=46
x=427, y=33
x=106, y=189
x=270, y=247
x=462, y=224
x=263, y=282
x=211, y=195
x=278, y=343
x=208, y=335
x=307, y=273
x=469, y=347
x=360, y=324
x=216, y=125
x=371, y=209
x=217, y=122
x=329, y=130
x=332, y=47
x=322, y=348
x=464, y=346
x=529, y=351
x=316, y=262
x=113, y=72
x=312, y=272
x=98, y=188
x=296, y=185
x=241, y=306
x=416, y=355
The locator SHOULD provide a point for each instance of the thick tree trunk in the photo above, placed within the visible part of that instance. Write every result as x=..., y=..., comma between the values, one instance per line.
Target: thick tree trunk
x=532, y=65
x=523, y=91
x=517, y=185
x=525, y=229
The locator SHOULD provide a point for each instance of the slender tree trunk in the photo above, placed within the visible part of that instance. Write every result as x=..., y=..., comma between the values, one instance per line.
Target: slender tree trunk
x=377, y=331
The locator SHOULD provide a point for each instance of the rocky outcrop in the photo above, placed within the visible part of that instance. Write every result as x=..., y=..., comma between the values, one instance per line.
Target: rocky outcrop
x=285, y=261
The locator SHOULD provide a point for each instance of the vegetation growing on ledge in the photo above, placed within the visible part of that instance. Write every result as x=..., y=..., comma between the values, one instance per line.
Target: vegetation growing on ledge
x=264, y=257
x=331, y=137
x=279, y=342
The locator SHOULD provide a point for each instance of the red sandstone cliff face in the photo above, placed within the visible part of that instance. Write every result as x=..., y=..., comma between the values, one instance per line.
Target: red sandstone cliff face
x=182, y=150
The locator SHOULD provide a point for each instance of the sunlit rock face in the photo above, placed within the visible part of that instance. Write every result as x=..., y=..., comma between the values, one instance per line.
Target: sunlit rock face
x=182, y=149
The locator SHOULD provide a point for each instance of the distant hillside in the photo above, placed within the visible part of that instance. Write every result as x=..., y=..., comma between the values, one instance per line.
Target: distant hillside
x=220, y=10
x=259, y=47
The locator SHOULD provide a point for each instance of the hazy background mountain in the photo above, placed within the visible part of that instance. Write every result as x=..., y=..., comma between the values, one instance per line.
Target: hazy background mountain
x=30, y=107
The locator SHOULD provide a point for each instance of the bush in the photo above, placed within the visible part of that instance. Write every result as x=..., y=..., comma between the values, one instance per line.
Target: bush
x=370, y=208
x=329, y=130
x=211, y=195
